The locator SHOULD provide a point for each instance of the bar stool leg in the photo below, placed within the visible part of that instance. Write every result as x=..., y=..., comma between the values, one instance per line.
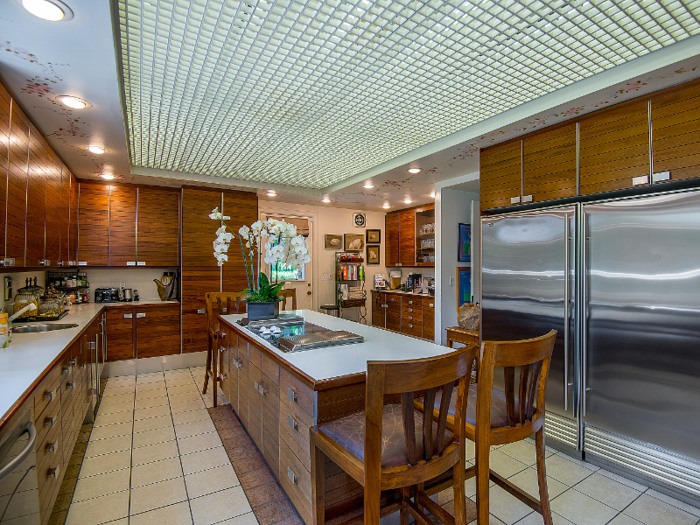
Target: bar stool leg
x=542, y=477
x=482, y=481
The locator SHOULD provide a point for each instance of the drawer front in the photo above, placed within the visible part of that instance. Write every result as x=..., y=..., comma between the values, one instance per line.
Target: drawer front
x=294, y=431
x=50, y=445
x=49, y=473
x=429, y=317
x=48, y=421
x=296, y=482
x=47, y=392
x=413, y=328
x=296, y=392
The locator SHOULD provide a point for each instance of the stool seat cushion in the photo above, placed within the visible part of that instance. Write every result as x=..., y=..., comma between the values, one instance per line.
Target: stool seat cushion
x=349, y=433
x=499, y=408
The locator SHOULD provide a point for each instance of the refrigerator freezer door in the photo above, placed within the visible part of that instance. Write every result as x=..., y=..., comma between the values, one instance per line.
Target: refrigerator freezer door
x=525, y=289
x=641, y=351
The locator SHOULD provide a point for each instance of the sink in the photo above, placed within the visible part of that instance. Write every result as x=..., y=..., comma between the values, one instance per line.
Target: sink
x=35, y=328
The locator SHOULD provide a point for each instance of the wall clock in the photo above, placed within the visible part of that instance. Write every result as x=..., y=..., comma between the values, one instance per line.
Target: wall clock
x=359, y=220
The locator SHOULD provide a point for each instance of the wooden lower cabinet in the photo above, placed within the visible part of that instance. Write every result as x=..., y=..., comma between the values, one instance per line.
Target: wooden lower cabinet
x=142, y=331
x=410, y=314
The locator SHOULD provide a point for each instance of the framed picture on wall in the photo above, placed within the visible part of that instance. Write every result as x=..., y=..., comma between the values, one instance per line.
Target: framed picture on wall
x=333, y=241
x=374, y=236
x=354, y=242
x=464, y=253
x=372, y=254
x=464, y=286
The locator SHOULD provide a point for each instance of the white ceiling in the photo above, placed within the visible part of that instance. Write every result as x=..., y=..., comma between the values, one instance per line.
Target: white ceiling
x=313, y=98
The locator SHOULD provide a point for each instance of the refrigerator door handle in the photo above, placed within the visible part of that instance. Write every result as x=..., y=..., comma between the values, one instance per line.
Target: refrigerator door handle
x=567, y=295
x=584, y=314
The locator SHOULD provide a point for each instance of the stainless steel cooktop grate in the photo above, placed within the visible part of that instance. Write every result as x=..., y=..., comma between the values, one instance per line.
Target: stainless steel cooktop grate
x=299, y=343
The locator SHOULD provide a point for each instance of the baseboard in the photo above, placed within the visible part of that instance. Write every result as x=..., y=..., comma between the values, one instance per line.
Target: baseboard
x=154, y=364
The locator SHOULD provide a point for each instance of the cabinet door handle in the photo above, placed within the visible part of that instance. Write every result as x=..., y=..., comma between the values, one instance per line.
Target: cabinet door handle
x=128, y=316
x=293, y=423
x=50, y=421
x=202, y=311
x=53, y=472
x=237, y=363
x=515, y=200
x=131, y=263
x=222, y=349
x=644, y=179
x=260, y=387
x=410, y=309
x=410, y=318
x=410, y=326
x=140, y=315
x=292, y=476
x=527, y=198
x=71, y=385
x=66, y=370
x=141, y=263
x=82, y=263
x=51, y=447
x=71, y=362
x=292, y=395
x=51, y=394
x=660, y=176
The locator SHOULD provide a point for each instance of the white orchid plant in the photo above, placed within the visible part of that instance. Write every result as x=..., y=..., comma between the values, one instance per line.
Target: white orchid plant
x=279, y=240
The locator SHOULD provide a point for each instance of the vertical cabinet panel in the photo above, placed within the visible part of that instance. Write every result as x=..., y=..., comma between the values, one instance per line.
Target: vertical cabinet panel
x=500, y=174
x=157, y=330
x=73, y=203
x=614, y=147
x=158, y=227
x=549, y=164
x=391, y=229
x=675, y=117
x=122, y=225
x=407, y=237
x=93, y=224
x=120, y=334
x=17, y=185
x=5, y=102
x=242, y=208
x=64, y=217
x=429, y=318
x=393, y=312
x=55, y=210
x=38, y=176
x=378, y=309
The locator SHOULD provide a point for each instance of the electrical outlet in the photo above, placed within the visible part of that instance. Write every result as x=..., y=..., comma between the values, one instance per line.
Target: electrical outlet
x=452, y=281
x=327, y=277
x=8, y=288
x=122, y=285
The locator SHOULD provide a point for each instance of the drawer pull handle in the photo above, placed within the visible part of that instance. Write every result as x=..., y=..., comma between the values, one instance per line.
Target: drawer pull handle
x=128, y=316
x=71, y=362
x=432, y=305
x=53, y=472
x=410, y=326
x=237, y=363
x=292, y=395
x=410, y=318
x=260, y=387
x=410, y=302
x=410, y=309
x=222, y=377
x=293, y=423
x=292, y=476
x=140, y=315
x=71, y=385
x=66, y=370
x=50, y=421
x=51, y=447
x=202, y=311
x=50, y=394
x=222, y=349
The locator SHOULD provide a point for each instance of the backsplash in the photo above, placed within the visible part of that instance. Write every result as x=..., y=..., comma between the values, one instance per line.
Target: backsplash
x=140, y=279
x=18, y=281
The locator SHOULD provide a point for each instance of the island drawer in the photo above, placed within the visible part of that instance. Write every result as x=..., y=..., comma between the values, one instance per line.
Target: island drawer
x=49, y=445
x=49, y=419
x=294, y=427
x=296, y=392
x=296, y=482
x=47, y=393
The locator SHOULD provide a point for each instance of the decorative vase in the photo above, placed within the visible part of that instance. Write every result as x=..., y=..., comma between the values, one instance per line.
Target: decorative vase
x=263, y=310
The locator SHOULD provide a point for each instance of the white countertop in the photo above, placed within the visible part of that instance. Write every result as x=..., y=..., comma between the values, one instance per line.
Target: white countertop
x=336, y=361
x=30, y=354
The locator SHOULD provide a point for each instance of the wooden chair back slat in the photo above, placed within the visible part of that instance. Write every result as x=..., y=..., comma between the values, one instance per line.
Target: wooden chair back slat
x=509, y=375
x=286, y=293
x=215, y=305
x=442, y=416
x=409, y=426
x=428, y=443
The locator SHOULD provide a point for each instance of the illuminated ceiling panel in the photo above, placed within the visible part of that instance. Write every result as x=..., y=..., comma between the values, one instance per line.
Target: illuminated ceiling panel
x=310, y=93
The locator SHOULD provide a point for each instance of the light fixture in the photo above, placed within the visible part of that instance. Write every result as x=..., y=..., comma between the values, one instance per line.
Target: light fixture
x=326, y=199
x=414, y=170
x=98, y=150
x=107, y=176
x=432, y=195
x=73, y=102
x=407, y=200
x=271, y=193
x=51, y=10
x=386, y=205
x=368, y=185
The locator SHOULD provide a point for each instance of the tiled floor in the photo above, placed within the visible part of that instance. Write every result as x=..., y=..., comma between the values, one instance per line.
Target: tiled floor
x=157, y=455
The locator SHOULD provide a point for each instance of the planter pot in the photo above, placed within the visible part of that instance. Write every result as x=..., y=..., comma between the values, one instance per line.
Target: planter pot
x=259, y=310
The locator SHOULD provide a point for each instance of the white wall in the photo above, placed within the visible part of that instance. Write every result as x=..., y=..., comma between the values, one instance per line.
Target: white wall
x=140, y=279
x=18, y=279
x=327, y=219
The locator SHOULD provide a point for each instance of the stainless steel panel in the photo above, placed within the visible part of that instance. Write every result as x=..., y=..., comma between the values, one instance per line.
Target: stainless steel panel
x=526, y=288
x=642, y=359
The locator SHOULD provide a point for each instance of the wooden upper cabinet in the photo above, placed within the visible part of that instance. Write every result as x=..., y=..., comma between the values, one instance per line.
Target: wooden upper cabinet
x=407, y=237
x=242, y=208
x=37, y=182
x=74, y=198
x=614, y=147
x=500, y=174
x=158, y=227
x=122, y=225
x=675, y=117
x=17, y=185
x=5, y=102
x=64, y=218
x=391, y=230
x=93, y=224
x=549, y=164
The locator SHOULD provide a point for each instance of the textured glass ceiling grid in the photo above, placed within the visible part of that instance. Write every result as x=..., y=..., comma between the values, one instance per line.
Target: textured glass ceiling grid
x=309, y=93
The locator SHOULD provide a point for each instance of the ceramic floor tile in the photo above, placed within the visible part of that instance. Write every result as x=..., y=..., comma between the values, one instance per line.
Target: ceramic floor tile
x=527, y=480
x=695, y=511
x=110, y=419
x=178, y=514
x=186, y=406
x=605, y=490
x=192, y=429
x=151, y=385
x=652, y=511
x=212, y=480
x=505, y=507
x=151, y=402
x=244, y=519
x=505, y=465
x=623, y=519
x=565, y=471
x=204, y=460
x=150, y=394
x=118, y=398
x=106, y=446
x=107, y=406
x=493, y=520
x=145, y=413
x=627, y=482
x=152, y=423
x=99, y=510
x=581, y=509
x=124, y=392
x=156, y=471
x=101, y=484
x=151, y=437
x=157, y=495
x=127, y=378
x=199, y=442
x=523, y=451
x=536, y=519
x=184, y=396
x=182, y=388
x=156, y=452
x=182, y=380
x=219, y=506
x=118, y=429
x=181, y=418
x=580, y=463
x=106, y=463
x=153, y=376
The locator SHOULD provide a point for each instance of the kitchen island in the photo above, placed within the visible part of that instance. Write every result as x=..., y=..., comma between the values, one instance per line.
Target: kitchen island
x=279, y=395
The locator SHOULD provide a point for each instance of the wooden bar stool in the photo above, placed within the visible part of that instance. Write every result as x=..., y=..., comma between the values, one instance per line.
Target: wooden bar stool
x=394, y=446
x=218, y=303
x=331, y=309
x=290, y=292
x=457, y=334
x=497, y=417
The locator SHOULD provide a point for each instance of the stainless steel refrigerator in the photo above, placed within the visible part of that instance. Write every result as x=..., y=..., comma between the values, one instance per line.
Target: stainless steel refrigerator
x=620, y=281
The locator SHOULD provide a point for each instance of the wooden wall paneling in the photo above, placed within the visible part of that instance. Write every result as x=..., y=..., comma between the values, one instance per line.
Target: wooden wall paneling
x=407, y=237
x=200, y=273
x=242, y=208
x=549, y=163
x=17, y=185
x=614, y=147
x=38, y=175
x=500, y=174
x=5, y=103
x=55, y=218
x=93, y=224
x=120, y=334
x=157, y=330
x=391, y=229
x=158, y=228
x=122, y=225
x=675, y=116
x=73, y=205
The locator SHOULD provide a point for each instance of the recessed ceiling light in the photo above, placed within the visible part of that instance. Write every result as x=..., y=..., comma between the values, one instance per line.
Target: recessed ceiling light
x=407, y=200
x=51, y=10
x=432, y=195
x=271, y=193
x=369, y=185
x=107, y=176
x=386, y=205
x=99, y=150
x=414, y=170
x=326, y=199
x=73, y=102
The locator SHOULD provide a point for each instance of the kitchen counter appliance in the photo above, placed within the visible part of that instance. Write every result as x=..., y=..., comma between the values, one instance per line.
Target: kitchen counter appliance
x=106, y=295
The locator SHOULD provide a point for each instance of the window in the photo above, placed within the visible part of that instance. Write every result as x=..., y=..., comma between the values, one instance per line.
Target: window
x=282, y=272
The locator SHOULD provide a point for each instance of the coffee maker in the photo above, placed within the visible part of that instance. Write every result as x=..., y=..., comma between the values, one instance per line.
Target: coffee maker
x=414, y=281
